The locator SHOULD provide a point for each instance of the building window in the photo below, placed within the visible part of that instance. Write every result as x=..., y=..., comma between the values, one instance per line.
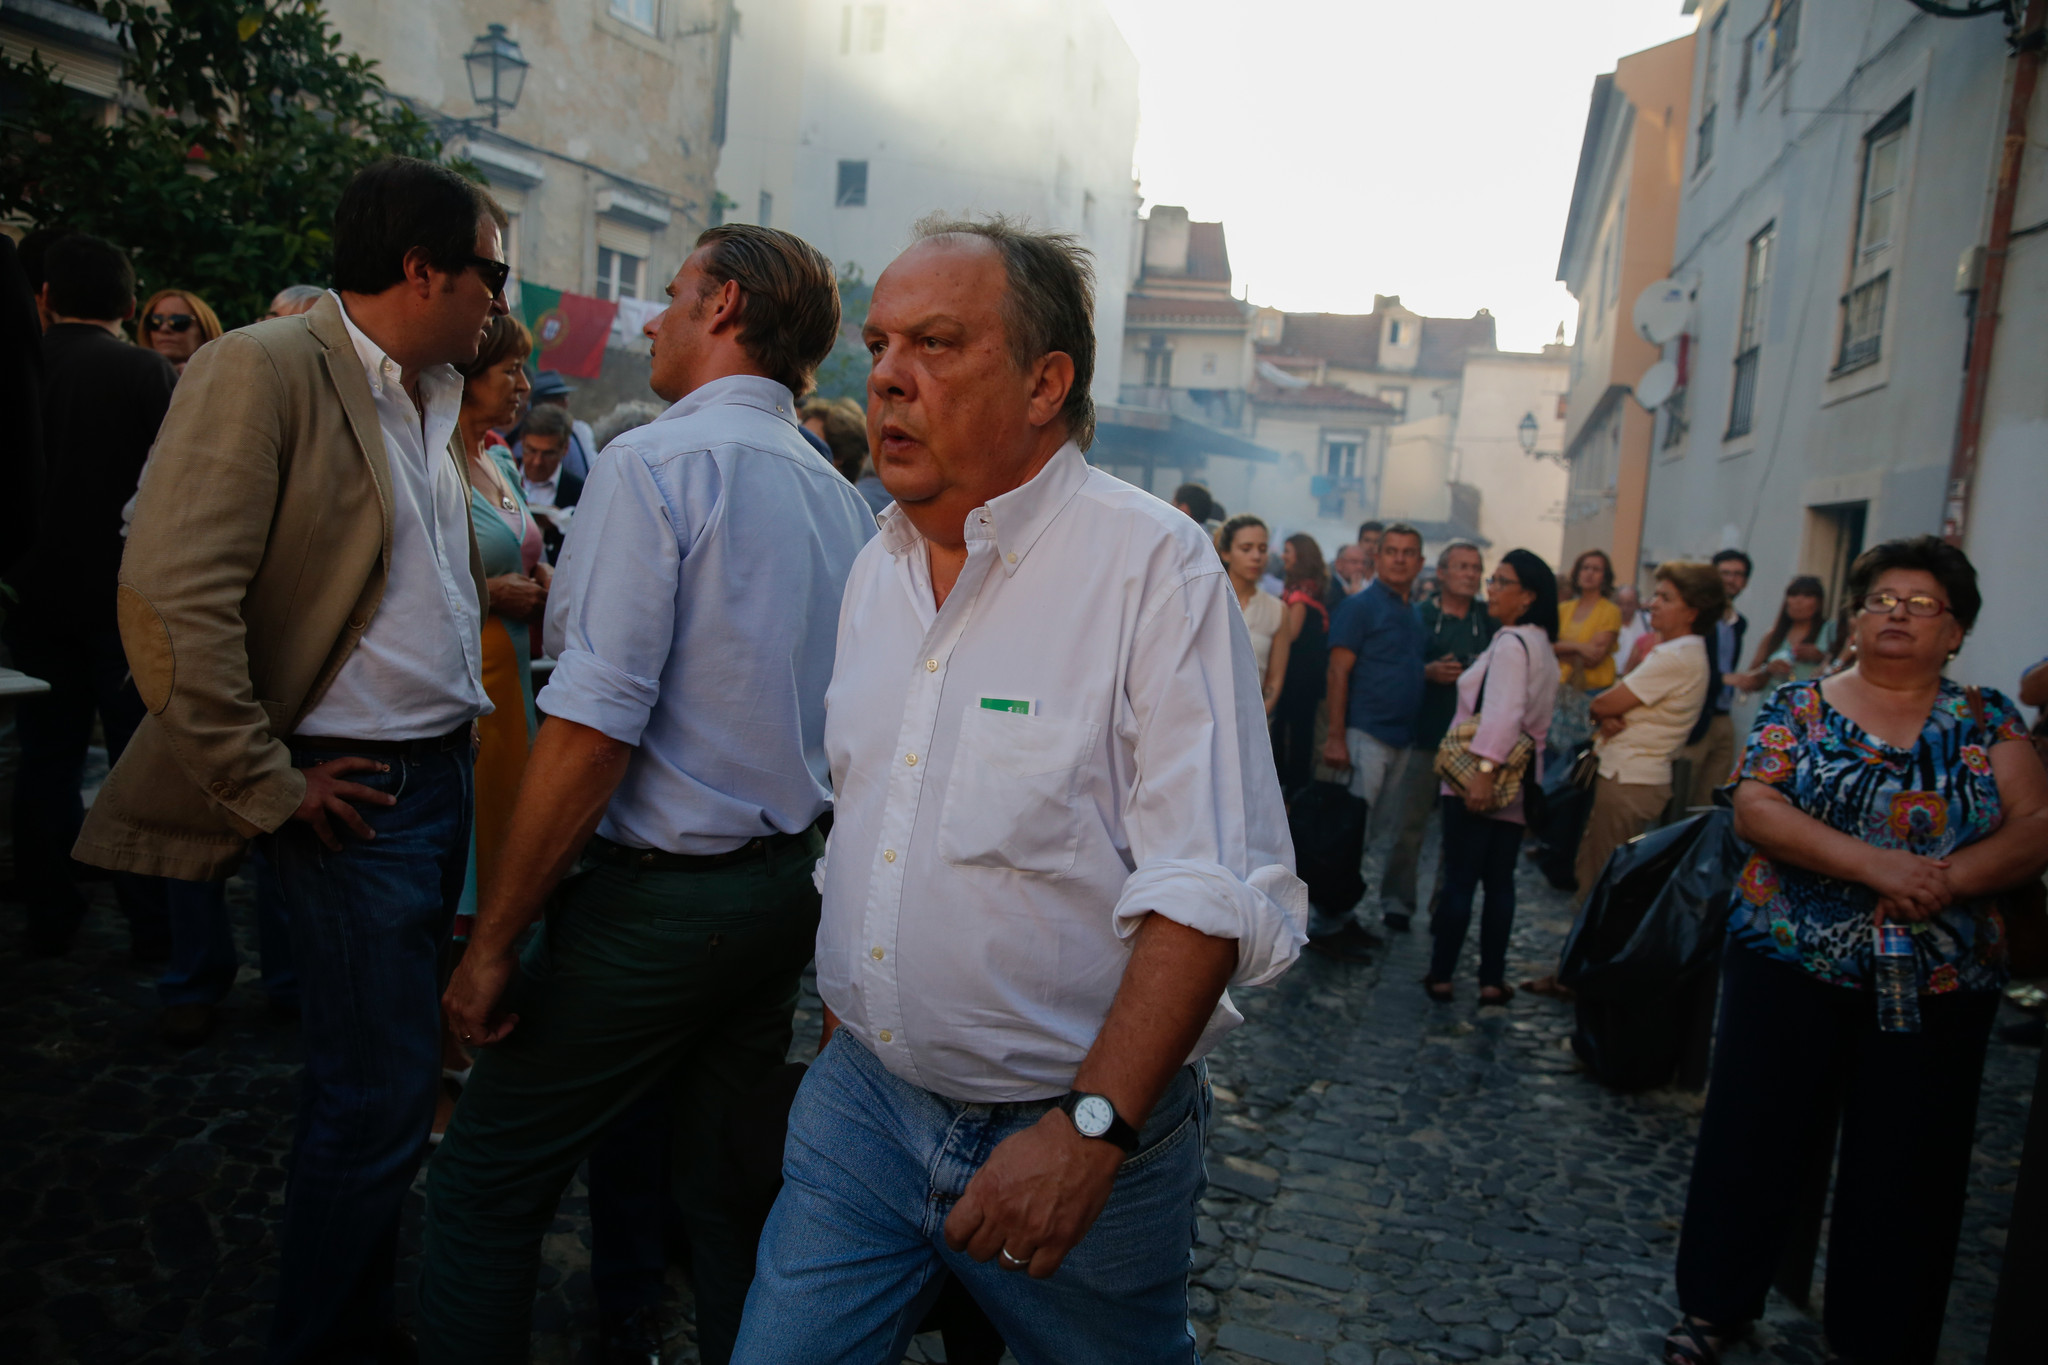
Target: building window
x=618, y=274
x=861, y=28
x=1710, y=92
x=1784, y=33
x=1158, y=362
x=1756, y=285
x=1394, y=332
x=1877, y=225
x=1396, y=398
x=767, y=209
x=1675, y=425
x=853, y=185
x=1341, y=458
x=644, y=15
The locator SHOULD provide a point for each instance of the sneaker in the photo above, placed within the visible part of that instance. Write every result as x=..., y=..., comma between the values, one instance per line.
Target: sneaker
x=1352, y=943
x=185, y=1025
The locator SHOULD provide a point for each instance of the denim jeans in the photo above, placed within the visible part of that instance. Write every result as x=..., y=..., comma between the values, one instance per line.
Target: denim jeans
x=852, y=1255
x=1478, y=851
x=367, y=926
x=88, y=676
x=203, y=958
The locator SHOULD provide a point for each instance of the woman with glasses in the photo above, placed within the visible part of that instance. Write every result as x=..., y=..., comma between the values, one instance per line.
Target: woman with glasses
x=1510, y=689
x=1884, y=794
x=175, y=323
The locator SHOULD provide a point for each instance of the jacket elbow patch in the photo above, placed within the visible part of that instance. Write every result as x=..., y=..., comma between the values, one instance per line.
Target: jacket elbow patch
x=147, y=641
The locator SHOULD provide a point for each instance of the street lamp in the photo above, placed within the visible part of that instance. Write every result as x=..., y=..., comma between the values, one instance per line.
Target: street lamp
x=497, y=71
x=1525, y=432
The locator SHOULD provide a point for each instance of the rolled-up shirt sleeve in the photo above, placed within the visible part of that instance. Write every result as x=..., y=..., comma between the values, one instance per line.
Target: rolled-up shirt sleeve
x=1205, y=821
x=611, y=608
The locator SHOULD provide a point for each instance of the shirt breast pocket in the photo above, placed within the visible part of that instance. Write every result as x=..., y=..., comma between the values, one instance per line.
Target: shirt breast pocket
x=1010, y=801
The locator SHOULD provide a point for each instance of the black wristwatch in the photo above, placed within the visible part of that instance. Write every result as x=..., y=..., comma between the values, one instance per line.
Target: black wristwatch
x=1094, y=1116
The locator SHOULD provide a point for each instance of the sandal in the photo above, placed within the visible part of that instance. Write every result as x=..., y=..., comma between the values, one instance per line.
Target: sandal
x=1501, y=995
x=1547, y=985
x=1693, y=1342
x=1439, y=991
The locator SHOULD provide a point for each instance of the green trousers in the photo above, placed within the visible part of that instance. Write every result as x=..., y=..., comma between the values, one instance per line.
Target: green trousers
x=638, y=978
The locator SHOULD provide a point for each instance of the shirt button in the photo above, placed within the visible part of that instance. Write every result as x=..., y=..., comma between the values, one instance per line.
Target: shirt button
x=931, y=665
x=1011, y=557
x=911, y=759
x=888, y=855
x=875, y=953
x=886, y=1036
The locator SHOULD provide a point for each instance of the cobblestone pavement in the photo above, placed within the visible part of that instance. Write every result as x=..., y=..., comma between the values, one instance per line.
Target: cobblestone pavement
x=1391, y=1181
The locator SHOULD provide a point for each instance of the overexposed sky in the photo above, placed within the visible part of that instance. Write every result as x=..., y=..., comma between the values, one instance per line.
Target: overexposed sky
x=1424, y=148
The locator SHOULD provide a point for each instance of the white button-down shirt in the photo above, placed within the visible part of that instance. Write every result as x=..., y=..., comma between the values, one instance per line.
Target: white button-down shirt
x=418, y=671
x=1075, y=740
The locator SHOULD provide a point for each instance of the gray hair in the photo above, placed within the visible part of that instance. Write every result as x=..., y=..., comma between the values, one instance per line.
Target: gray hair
x=1049, y=306
x=637, y=412
x=1443, y=560
x=546, y=419
x=295, y=298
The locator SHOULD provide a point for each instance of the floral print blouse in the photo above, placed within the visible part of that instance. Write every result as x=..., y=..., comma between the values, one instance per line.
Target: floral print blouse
x=1930, y=800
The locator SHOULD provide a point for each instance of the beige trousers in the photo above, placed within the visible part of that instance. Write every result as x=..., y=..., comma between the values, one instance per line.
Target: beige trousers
x=1712, y=760
x=1621, y=811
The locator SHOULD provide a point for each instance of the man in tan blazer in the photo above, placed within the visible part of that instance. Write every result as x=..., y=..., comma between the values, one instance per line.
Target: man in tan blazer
x=301, y=603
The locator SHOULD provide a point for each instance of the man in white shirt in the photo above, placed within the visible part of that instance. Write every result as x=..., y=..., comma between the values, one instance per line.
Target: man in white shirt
x=1635, y=626
x=1058, y=836
x=301, y=604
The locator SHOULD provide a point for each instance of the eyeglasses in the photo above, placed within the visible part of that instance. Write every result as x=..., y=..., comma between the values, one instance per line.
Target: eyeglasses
x=170, y=322
x=1885, y=603
x=1497, y=581
x=493, y=273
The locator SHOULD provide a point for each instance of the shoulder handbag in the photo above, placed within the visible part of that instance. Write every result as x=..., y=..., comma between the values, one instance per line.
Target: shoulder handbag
x=2024, y=908
x=1457, y=764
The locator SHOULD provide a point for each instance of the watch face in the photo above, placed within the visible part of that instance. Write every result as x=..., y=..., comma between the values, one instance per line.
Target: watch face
x=1093, y=1115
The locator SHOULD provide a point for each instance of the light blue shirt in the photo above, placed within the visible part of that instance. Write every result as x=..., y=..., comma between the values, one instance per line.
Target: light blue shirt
x=694, y=613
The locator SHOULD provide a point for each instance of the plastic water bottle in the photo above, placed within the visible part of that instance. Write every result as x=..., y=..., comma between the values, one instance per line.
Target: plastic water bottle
x=1897, y=978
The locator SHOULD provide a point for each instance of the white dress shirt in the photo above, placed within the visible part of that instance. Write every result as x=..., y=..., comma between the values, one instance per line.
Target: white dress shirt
x=1021, y=776
x=418, y=671
x=541, y=494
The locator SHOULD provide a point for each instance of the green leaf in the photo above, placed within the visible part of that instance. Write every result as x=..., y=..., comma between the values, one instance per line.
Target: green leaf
x=246, y=28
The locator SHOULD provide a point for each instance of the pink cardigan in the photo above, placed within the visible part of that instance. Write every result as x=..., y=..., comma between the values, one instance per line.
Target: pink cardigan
x=1519, y=700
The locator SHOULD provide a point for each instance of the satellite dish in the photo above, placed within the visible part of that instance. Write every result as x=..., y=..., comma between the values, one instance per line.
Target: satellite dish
x=1661, y=311
x=1657, y=385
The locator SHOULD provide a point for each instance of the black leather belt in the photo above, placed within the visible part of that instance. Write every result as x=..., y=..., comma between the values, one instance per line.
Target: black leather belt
x=458, y=738
x=603, y=850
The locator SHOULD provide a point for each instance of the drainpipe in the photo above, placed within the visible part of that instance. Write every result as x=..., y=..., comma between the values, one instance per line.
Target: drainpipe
x=1962, y=470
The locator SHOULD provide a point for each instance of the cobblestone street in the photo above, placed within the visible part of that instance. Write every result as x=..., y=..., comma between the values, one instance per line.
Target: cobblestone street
x=1391, y=1181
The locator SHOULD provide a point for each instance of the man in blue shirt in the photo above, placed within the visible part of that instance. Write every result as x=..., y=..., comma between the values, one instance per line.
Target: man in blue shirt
x=1375, y=691
x=694, y=617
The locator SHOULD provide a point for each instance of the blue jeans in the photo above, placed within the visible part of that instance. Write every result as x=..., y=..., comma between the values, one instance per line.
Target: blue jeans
x=851, y=1257
x=367, y=927
x=203, y=957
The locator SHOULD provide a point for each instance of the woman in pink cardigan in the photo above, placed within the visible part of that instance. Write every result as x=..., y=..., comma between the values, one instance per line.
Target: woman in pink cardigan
x=1512, y=688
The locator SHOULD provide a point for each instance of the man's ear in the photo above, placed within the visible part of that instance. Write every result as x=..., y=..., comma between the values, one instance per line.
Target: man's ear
x=1051, y=382
x=726, y=306
x=419, y=272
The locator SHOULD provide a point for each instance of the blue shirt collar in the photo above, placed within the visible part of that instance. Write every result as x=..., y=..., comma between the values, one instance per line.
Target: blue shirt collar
x=747, y=390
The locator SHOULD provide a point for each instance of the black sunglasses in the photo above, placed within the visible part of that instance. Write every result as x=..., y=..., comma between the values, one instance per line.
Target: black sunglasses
x=170, y=322
x=493, y=273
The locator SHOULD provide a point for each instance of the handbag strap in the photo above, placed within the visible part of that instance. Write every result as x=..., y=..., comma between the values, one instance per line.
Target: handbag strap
x=1479, y=702
x=1973, y=697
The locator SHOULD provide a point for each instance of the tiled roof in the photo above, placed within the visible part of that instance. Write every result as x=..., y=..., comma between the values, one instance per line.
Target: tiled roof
x=1352, y=341
x=1156, y=308
x=1269, y=394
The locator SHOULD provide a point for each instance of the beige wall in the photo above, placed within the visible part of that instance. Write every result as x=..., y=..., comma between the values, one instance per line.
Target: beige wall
x=599, y=91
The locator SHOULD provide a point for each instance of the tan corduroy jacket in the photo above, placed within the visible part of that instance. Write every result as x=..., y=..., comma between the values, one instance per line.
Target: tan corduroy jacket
x=261, y=541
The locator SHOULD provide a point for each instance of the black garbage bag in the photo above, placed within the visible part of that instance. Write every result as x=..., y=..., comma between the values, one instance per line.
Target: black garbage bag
x=1328, y=825
x=1646, y=949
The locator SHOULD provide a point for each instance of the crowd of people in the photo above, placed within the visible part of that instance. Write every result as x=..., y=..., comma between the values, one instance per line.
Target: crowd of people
x=818, y=693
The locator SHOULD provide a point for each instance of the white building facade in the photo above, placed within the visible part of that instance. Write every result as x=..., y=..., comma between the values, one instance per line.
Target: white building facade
x=1839, y=174
x=846, y=123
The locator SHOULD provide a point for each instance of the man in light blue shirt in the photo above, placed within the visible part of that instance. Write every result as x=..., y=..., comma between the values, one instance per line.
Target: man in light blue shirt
x=694, y=615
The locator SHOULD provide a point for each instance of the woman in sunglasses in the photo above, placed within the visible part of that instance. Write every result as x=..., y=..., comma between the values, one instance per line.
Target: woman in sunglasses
x=175, y=323
x=1882, y=795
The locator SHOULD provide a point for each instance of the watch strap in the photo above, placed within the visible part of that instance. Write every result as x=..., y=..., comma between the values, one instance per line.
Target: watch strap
x=1119, y=1133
